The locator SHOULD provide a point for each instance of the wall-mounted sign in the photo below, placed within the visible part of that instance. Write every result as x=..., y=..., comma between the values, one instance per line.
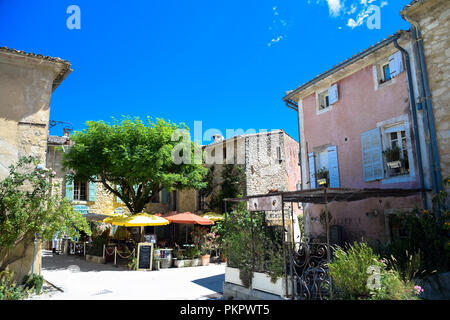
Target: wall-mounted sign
x=81, y=209
x=119, y=210
x=270, y=203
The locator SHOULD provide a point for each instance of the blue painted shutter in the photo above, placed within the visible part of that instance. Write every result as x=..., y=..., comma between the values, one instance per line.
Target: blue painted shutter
x=118, y=200
x=333, y=167
x=312, y=170
x=164, y=195
x=333, y=95
x=93, y=190
x=396, y=64
x=69, y=187
x=372, y=159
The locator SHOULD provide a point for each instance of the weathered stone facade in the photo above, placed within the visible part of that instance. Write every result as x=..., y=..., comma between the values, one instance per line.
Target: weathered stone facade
x=433, y=18
x=269, y=161
x=26, y=85
x=106, y=202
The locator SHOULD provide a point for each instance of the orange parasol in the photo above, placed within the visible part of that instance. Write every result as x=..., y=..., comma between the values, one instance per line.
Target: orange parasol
x=187, y=218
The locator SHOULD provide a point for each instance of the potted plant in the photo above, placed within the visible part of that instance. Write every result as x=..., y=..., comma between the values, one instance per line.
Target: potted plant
x=178, y=259
x=209, y=243
x=392, y=156
x=193, y=254
x=323, y=177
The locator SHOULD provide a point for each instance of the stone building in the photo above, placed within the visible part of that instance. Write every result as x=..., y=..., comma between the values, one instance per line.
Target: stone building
x=269, y=161
x=430, y=28
x=91, y=197
x=27, y=82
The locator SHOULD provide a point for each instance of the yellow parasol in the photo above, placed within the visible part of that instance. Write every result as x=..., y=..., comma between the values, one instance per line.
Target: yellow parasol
x=137, y=220
x=213, y=216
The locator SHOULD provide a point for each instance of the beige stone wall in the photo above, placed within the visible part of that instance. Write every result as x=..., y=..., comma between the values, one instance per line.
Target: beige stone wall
x=26, y=86
x=25, y=91
x=22, y=267
x=434, y=20
x=263, y=169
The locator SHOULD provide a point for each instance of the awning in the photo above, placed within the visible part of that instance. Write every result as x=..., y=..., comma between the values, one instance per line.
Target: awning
x=327, y=195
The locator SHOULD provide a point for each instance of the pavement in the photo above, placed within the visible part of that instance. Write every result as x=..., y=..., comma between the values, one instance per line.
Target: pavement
x=85, y=280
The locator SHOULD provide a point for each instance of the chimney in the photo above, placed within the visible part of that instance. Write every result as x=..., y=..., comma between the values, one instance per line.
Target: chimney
x=217, y=138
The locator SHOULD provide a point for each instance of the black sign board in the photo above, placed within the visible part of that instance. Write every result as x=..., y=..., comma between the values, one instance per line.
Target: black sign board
x=144, y=257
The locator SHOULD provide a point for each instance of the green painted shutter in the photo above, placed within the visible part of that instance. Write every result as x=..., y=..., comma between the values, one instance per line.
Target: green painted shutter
x=92, y=191
x=69, y=187
x=164, y=195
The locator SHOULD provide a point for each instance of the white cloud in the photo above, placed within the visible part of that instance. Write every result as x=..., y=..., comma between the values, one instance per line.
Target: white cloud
x=356, y=8
x=335, y=7
x=278, y=27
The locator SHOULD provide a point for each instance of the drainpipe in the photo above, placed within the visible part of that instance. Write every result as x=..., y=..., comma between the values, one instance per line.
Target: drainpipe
x=428, y=110
x=414, y=118
x=437, y=166
x=422, y=106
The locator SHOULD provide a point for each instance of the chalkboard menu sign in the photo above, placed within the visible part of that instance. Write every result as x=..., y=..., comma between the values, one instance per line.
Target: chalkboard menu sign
x=144, y=256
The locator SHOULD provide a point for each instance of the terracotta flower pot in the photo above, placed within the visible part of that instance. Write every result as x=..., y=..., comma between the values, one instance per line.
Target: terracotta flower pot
x=205, y=260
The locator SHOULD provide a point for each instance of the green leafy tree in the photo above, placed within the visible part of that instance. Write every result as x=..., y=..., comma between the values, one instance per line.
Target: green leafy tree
x=27, y=208
x=135, y=159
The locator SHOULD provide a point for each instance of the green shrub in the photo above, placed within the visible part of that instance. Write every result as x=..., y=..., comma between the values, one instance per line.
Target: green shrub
x=96, y=247
x=348, y=270
x=33, y=282
x=192, y=253
x=260, y=251
x=9, y=290
x=133, y=264
x=352, y=270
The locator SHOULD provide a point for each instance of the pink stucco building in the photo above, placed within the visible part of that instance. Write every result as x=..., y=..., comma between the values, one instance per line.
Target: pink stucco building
x=356, y=125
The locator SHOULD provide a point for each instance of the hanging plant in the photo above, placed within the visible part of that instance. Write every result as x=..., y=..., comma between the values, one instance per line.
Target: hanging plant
x=392, y=154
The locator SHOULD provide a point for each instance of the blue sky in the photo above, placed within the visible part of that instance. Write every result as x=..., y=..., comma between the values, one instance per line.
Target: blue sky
x=225, y=63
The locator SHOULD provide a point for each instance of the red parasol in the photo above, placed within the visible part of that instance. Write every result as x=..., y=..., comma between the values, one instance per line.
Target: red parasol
x=187, y=218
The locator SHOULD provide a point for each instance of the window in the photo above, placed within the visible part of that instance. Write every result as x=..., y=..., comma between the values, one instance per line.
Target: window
x=199, y=204
x=386, y=75
x=323, y=100
x=279, y=154
x=324, y=169
x=173, y=201
x=79, y=191
x=385, y=70
x=386, y=152
x=396, y=150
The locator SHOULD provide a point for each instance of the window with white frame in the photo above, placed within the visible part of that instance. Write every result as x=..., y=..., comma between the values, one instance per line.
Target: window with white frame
x=385, y=73
x=324, y=102
x=387, y=69
x=386, y=152
x=395, y=149
x=326, y=98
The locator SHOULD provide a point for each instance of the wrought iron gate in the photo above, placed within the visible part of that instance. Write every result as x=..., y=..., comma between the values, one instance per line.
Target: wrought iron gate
x=310, y=271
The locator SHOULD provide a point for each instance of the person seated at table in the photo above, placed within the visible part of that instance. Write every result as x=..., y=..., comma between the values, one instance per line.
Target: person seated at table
x=162, y=243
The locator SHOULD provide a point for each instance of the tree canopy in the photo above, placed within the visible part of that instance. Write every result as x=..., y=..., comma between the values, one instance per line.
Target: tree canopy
x=134, y=159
